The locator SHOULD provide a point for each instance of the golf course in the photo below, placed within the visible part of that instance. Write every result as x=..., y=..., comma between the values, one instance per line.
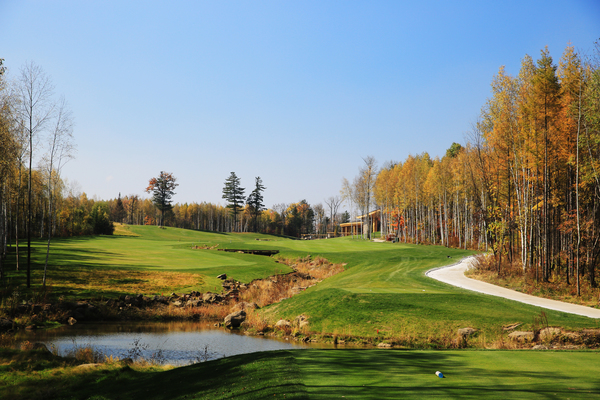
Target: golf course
x=382, y=297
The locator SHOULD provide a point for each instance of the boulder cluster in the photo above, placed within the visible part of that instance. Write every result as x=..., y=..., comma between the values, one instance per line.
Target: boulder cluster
x=73, y=312
x=192, y=299
x=63, y=312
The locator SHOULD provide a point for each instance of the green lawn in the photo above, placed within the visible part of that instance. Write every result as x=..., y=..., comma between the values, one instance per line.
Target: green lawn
x=383, y=294
x=332, y=374
x=153, y=251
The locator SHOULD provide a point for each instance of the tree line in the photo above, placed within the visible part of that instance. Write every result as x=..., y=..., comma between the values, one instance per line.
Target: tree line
x=526, y=185
x=240, y=214
x=35, y=125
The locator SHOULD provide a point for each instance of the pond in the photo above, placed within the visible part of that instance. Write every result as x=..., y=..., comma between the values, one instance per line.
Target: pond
x=174, y=343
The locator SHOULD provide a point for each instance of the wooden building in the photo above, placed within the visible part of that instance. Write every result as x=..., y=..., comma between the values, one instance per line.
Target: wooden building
x=357, y=227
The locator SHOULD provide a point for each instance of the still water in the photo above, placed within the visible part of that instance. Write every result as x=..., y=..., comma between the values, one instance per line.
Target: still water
x=175, y=343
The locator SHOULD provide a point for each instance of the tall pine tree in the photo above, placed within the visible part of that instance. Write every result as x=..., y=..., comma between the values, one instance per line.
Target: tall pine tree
x=162, y=189
x=234, y=194
x=255, y=202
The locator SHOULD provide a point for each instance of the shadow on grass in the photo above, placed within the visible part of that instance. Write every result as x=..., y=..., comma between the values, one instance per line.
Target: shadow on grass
x=378, y=374
x=248, y=376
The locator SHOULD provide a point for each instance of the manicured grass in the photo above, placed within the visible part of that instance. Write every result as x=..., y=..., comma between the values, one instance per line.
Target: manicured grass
x=383, y=294
x=378, y=374
x=153, y=260
x=330, y=374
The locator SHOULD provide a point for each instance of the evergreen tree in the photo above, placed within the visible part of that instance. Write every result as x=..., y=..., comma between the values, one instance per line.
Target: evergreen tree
x=345, y=217
x=119, y=213
x=162, y=189
x=99, y=220
x=255, y=202
x=234, y=194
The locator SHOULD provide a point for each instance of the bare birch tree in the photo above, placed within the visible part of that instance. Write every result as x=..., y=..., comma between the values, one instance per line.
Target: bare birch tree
x=60, y=151
x=333, y=203
x=36, y=108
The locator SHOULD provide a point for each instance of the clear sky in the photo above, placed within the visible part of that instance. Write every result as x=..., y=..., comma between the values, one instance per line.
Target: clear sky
x=296, y=92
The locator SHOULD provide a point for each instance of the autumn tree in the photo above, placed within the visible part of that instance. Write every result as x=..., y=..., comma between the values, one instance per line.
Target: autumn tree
x=300, y=218
x=234, y=194
x=132, y=204
x=546, y=92
x=8, y=155
x=162, y=189
x=281, y=215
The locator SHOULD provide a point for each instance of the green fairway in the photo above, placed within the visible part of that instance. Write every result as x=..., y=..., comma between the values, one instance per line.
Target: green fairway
x=152, y=252
x=383, y=294
x=333, y=374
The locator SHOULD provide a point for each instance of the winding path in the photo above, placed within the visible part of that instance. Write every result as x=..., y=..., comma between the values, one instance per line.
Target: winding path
x=455, y=275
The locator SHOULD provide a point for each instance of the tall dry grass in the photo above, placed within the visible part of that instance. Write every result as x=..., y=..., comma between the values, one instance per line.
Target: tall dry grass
x=307, y=273
x=511, y=275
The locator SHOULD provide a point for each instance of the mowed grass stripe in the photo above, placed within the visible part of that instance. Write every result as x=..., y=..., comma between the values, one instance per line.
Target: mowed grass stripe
x=157, y=250
x=334, y=374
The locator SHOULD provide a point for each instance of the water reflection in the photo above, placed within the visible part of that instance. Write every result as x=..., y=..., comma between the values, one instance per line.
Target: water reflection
x=176, y=343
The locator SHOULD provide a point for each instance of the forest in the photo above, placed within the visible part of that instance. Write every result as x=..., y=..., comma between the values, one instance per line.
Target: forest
x=525, y=184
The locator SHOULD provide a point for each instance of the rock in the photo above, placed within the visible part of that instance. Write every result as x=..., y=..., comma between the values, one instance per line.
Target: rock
x=549, y=333
x=222, y=276
x=31, y=328
x=160, y=299
x=511, y=326
x=520, y=336
x=193, y=303
x=177, y=303
x=5, y=324
x=211, y=297
x=466, y=332
x=71, y=321
x=385, y=345
x=572, y=336
x=22, y=308
x=282, y=323
x=539, y=347
x=40, y=346
x=301, y=321
x=234, y=320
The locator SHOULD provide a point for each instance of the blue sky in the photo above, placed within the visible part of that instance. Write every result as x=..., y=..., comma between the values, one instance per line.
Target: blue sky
x=296, y=92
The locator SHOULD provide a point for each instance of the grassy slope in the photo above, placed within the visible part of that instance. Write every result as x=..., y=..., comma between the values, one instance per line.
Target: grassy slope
x=153, y=250
x=384, y=289
x=382, y=293
x=327, y=374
